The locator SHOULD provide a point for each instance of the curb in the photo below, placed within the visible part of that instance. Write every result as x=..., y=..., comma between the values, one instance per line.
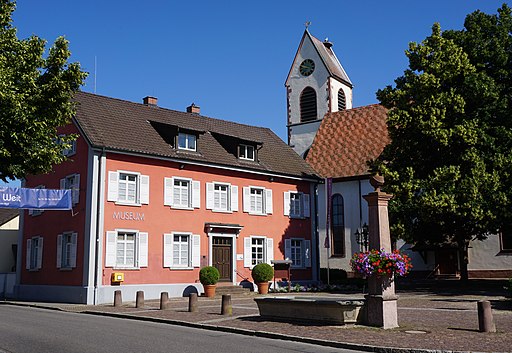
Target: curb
x=262, y=334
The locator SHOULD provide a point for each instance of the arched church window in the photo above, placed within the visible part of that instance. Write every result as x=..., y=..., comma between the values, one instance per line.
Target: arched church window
x=308, y=105
x=338, y=225
x=342, y=104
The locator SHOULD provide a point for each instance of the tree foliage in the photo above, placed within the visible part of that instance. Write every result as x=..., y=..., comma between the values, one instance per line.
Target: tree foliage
x=35, y=99
x=450, y=160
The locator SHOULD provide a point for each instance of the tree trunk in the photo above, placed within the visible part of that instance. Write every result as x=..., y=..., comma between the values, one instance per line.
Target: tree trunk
x=463, y=259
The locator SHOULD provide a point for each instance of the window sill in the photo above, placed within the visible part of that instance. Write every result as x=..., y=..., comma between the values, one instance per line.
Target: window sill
x=182, y=208
x=120, y=203
x=65, y=269
x=181, y=268
x=126, y=268
x=505, y=253
x=33, y=269
x=257, y=214
x=222, y=211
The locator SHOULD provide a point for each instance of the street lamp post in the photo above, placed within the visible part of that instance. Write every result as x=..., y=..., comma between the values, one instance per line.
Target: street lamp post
x=362, y=237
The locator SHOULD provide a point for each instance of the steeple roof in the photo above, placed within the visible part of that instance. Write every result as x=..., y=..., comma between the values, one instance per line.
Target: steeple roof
x=329, y=59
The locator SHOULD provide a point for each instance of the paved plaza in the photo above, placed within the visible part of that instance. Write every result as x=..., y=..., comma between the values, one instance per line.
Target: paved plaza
x=441, y=318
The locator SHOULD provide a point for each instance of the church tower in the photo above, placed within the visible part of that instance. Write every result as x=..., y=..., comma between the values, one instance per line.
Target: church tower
x=316, y=85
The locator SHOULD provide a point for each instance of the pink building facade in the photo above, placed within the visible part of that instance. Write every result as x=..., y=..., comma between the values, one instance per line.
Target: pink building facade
x=158, y=194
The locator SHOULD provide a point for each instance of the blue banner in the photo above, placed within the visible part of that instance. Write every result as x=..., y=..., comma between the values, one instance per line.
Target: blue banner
x=40, y=199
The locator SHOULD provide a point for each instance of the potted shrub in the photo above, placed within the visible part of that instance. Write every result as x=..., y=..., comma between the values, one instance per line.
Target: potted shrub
x=209, y=276
x=262, y=274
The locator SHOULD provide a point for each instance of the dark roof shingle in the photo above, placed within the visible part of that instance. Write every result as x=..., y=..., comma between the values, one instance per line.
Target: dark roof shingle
x=347, y=139
x=138, y=128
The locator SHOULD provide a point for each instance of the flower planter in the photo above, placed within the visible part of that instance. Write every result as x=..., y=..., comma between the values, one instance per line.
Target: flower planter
x=263, y=287
x=209, y=290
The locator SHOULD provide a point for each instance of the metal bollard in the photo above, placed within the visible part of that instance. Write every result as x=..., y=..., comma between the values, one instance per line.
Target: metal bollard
x=227, y=308
x=485, y=320
x=164, y=301
x=192, y=303
x=139, y=303
x=118, y=298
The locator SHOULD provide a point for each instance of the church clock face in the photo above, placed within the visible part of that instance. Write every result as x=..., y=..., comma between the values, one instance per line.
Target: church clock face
x=307, y=67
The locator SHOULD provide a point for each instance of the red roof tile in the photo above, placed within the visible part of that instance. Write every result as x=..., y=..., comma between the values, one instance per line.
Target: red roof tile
x=347, y=139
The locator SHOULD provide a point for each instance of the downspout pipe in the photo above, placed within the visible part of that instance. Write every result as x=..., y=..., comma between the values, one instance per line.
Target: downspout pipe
x=99, y=207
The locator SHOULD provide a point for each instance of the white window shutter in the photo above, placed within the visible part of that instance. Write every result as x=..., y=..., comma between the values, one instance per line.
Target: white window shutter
x=307, y=253
x=62, y=184
x=270, y=249
x=29, y=250
x=286, y=203
x=168, y=184
x=196, y=194
x=110, y=249
x=196, y=250
x=143, y=249
x=234, y=197
x=247, y=252
x=75, y=189
x=269, y=208
x=247, y=199
x=72, y=259
x=305, y=203
x=112, y=186
x=144, y=189
x=167, y=250
x=40, y=254
x=59, y=251
x=209, y=196
x=287, y=249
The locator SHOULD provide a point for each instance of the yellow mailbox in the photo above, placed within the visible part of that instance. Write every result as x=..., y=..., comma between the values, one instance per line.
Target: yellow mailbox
x=117, y=277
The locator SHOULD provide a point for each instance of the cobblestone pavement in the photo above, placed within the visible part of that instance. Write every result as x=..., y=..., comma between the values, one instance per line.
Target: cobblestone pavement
x=428, y=321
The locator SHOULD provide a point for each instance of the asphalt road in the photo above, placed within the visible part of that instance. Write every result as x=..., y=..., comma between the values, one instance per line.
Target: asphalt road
x=29, y=330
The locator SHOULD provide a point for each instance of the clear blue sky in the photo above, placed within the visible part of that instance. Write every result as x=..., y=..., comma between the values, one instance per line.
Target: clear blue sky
x=232, y=57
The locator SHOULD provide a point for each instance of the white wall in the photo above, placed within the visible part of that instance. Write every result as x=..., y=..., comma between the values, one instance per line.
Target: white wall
x=485, y=255
x=354, y=219
x=302, y=136
x=318, y=80
x=8, y=237
x=335, y=87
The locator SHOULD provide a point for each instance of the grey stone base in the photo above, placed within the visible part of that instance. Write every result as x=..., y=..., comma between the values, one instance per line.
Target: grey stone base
x=104, y=294
x=332, y=310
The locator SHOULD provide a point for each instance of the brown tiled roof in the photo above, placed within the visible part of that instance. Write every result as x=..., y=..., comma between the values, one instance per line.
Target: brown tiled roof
x=347, y=139
x=7, y=214
x=121, y=125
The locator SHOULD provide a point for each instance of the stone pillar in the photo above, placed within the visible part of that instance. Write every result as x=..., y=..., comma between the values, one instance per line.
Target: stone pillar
x=164, y=301
x=118, y=298
x=381, y=300
x=226, y=307
x=139, y=299
x=192, y=303
x=485, y=320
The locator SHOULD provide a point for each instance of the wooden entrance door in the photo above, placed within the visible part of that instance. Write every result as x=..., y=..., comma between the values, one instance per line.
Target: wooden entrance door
x=222, y=250
x=447, y=261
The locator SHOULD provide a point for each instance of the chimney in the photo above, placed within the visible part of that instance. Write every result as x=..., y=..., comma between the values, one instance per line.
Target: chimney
x=195, y=109
x=148, y=100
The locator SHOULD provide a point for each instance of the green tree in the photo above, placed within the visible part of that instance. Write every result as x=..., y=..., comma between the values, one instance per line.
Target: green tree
x=450, y=158
x=35, y=99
